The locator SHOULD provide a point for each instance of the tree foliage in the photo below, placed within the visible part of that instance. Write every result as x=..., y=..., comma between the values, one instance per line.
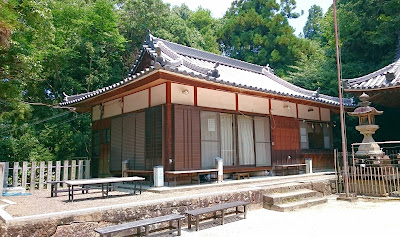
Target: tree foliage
x=312, y=28
x=258, y=31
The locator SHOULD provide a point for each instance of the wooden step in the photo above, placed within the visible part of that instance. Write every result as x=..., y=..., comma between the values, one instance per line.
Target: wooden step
x=284, y=197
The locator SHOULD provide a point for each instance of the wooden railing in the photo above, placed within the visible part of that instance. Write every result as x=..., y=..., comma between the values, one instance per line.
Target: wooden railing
x=35, y=175
x=372, y=181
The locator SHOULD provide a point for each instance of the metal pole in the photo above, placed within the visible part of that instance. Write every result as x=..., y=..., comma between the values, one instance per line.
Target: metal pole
x=342, y=122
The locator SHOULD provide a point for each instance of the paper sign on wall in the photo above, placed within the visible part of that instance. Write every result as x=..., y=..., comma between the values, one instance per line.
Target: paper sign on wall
x=211, y=125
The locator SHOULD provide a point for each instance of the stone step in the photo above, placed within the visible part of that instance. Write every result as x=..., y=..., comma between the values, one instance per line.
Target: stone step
x=292, y=206
x=284, y=187
x=284, y=197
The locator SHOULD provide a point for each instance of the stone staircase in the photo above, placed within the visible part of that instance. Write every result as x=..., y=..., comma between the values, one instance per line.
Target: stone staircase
x=293, y=199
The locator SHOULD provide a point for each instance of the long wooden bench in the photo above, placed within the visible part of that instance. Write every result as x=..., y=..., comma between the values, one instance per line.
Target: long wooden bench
x=214, y=209
x=193, y=174
x=290, y=168
x=111, y=230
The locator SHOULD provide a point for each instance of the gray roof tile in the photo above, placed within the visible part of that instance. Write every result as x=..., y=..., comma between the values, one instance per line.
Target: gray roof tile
x=199, y=64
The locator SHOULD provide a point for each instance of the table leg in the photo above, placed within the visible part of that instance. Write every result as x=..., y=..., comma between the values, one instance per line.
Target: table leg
x=179, y=226
x=245, y=211
x=146, y=230
x=223, y=216
x=134, y=188
x=197, y=222
x=189, y=221
x=139, y=231
x=72, y=193
x=140, y=191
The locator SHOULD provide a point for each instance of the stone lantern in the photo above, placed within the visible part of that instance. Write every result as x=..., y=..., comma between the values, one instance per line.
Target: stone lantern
x=367, y=127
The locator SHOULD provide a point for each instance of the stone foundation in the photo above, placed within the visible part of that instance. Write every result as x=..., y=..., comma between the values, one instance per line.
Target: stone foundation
x=82, y=223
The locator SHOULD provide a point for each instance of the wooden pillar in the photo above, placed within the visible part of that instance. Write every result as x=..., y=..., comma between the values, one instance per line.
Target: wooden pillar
x=168, y=128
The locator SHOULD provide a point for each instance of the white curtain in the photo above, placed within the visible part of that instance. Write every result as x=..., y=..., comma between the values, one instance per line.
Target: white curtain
x=210, y=139
x=327, y=136
x=246, y=141
x=227, y=139
x=263, y=141
x=303, y=135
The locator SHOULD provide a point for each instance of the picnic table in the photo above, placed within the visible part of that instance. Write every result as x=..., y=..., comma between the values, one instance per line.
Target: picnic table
x=104, y=182
x=193, y=174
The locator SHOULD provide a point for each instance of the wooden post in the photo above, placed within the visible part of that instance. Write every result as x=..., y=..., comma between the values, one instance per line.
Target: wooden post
x=41, y=174
x=49, y=173
x=80, y=169
x=2, y=172
x=24, y=178
x=65, y=173
x=73, y=169
x=58, y=171
x=87, y=169
x=33, y=176
x=15, y=174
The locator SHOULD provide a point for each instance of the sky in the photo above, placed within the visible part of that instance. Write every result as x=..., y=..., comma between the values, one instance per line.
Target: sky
x=219, y=7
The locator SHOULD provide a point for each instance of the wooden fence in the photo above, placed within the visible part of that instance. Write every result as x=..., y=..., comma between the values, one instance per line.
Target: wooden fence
x=35, y=175
x=372, y=181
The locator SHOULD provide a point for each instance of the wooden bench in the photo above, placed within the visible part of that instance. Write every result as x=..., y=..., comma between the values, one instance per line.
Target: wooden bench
x=146, y=173
x=104, y=182
x=242, y=175
x=193, y=174
x=290, y=167
x=218, y=208
x=111, y=230
x=54, y=190
x=234, y=170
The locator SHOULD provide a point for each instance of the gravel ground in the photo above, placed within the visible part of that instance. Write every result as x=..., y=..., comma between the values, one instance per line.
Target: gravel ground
x=33, y=204
x=335, y=218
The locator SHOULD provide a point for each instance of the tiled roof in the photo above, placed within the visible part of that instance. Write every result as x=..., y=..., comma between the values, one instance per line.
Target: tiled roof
x=211, y=67
x=387, y=77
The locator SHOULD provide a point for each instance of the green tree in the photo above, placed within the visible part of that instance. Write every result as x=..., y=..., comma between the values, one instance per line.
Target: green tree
x=202, y=21
x=312, y=28
x=255, y=31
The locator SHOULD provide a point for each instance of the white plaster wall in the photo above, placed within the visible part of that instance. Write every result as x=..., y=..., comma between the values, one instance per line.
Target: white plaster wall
x=283, y=108
x=96, y=112
x=216, y=99
x=136, y=101
x=112, y=108
x=253, y=104
x=308, y=112
x=325, y=114
x=177, y=97
x=158, y=95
